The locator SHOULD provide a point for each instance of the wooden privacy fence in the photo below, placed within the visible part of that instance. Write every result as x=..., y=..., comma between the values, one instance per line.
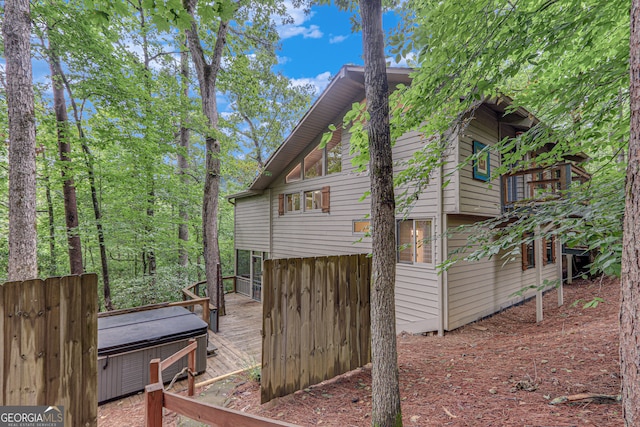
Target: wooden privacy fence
x=49, y=346
x=316, y=321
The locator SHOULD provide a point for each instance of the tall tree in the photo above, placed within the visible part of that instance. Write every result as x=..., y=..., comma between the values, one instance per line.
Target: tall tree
x=16, y=28
x=385, y=389
x=64, y=148
x=207, y=72
x=183, y=157
x=630, y=280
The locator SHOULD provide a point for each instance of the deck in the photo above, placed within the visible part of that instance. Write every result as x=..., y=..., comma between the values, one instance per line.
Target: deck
x=239, y=344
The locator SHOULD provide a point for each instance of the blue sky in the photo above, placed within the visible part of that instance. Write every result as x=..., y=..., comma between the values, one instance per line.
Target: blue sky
x=316, y=45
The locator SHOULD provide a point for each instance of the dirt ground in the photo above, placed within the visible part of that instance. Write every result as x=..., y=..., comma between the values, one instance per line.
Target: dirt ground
x=501, y=371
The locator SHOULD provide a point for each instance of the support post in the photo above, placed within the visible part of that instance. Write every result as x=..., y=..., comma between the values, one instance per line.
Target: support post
x=192, y=369
x=559, y=265
x=153, y=399
x=538, y=260
x=154, y=371
x=569, y=268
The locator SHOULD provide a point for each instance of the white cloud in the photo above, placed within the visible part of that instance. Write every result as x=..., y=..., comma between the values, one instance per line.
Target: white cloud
x=310, y=32
x=337, y=39
x=407, y=61
x=319, y=82
x=283, y=59
x=296, y=28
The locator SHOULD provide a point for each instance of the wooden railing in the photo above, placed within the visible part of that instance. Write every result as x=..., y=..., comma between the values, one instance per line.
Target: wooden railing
x=156, y=398
x=539, y=184
x=203, y=302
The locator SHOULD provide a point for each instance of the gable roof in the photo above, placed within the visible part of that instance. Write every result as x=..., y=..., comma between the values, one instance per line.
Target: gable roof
x=346, y=86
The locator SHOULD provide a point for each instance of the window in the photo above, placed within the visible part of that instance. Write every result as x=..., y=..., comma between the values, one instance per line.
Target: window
x=528, y=254
x=361, y=226
x=415, y=241
x=313, y=164
x=320, y=161
x=294, y=175
x=312, y=200
x=293, y=202
x=243, y=266
x=549, y=246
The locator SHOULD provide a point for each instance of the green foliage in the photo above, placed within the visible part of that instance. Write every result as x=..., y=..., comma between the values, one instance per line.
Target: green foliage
x=566, y=63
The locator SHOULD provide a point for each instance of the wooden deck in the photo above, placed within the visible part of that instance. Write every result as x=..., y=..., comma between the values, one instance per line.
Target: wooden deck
x=239, y=341
x=239, y=344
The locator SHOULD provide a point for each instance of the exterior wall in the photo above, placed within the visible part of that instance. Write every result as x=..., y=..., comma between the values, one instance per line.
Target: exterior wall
x=477, y=197
x=252, y=230
x=305, y=234
x=480, y=288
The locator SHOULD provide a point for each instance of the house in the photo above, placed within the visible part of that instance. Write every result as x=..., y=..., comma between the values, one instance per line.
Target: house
x=306, y=203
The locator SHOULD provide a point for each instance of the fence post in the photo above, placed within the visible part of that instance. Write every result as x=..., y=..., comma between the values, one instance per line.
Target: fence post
x=192, y=369
x=153, y=399
x=154, y=371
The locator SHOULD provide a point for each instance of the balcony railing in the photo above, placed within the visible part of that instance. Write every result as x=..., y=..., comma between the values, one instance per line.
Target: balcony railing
x=539, y=184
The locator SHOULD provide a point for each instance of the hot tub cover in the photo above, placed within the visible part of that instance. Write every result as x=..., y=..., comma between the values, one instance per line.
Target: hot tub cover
x=126, y=332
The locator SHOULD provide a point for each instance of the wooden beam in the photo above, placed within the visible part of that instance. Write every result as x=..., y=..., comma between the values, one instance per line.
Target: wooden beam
x=178, y=355
x=214, y=415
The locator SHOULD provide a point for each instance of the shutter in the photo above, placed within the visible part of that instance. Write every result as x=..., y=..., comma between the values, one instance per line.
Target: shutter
x=525, y=256
x=281, y=204
x=553, y=249
x=326, y=200
x=545, y=259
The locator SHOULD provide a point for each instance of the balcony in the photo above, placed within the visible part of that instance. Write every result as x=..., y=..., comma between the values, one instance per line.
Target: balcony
x=539, y=184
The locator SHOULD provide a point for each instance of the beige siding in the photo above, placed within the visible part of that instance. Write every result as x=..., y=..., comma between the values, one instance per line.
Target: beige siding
x=480, y=288
x=478, y=197
x=417, y=308
x=252, y=223
x=451, y=178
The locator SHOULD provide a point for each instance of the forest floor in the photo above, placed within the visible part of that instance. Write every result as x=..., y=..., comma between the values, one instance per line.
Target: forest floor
x=502, y=371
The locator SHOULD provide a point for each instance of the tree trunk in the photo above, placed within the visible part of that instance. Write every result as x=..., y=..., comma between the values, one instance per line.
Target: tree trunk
x=207, y=77
x=23, y=254
x=68, y=186
x=88, y=158
x=52, y=226
x=183, y=163
x=630, y=278
x=385, y=389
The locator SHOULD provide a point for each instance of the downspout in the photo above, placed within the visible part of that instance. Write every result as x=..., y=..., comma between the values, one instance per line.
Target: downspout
x=440, y=251
x=270, y=227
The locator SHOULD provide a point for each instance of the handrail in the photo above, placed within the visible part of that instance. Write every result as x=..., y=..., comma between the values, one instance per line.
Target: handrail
x=192, y=302
x=156, y=398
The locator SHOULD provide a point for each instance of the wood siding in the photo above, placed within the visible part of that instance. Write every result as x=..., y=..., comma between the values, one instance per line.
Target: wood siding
x=252, y=229
x=480, y=288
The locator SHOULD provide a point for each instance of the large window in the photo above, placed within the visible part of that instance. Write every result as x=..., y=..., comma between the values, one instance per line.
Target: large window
x=415, y=241
x=320, y=161
x=243, y=263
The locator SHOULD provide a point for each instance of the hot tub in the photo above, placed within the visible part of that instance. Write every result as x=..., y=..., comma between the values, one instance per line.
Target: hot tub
x=128, y=342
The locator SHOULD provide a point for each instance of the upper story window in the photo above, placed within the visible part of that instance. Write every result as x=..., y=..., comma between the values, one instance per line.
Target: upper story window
x=528, y=254
x=415, y=241
x=312, y=200
x=293, y=202
x=309, y=200
x=320, y=161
